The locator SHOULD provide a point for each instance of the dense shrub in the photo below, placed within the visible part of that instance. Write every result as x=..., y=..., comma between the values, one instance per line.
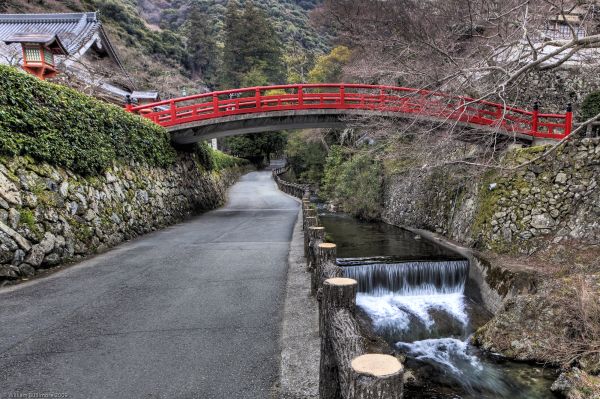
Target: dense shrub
x=61, y=126
x=306, y=158
x=354, y=183
x=213, y=160
x=591, y=105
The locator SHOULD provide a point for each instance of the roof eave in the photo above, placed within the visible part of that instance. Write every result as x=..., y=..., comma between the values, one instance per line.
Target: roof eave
x=113, y=53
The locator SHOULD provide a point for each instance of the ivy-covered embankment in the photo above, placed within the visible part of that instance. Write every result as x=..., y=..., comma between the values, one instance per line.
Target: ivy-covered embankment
x=78, y=176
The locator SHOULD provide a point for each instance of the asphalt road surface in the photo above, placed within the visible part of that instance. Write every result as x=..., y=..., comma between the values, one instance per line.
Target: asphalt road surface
x=192, y=311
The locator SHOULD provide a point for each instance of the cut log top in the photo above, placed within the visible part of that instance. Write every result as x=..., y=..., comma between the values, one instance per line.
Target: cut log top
x=319, y=228
x=341, y=281
x=327, y=245
x=377, y=365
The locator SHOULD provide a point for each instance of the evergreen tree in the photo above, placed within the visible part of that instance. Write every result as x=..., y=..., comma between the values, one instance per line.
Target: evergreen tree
x=233, y=63
x=202, y=49
x=251, y=46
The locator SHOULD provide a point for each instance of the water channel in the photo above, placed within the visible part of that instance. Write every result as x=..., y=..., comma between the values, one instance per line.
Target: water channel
x=413, y=292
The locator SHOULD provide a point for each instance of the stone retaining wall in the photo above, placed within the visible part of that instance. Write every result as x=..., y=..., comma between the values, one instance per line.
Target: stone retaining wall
x=50, y=215
x=555, y=198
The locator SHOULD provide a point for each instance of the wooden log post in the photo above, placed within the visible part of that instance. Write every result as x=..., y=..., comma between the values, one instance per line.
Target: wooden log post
x=310, y=213
x=324, y=252
x=338, y=294
x=316, y=234
x=327, y=270
x=326, y=255
x=375, y=376
x=306, y=194
x=305, y=208
x=309, y=222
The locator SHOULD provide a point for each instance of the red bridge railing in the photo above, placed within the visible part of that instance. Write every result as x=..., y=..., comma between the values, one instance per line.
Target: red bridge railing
x=385, y=99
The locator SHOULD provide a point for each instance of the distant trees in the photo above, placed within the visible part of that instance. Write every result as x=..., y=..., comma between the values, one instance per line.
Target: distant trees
x=252, y=56
x=251, y=47
x=257, y=148
x=328, y=68
x=202, y=48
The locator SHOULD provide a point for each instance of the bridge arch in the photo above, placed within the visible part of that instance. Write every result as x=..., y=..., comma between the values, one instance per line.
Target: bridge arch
x=272, y=108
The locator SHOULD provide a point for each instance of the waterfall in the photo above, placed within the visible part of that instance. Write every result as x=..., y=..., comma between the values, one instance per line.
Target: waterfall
x=408, y=278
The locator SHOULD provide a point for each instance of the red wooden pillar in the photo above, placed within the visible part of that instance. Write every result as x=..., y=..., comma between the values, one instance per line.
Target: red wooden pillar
x=172, y=110
x=257, y=98
x=215, y=104
x=300, y=95
x=569, y=119
x=535, y=118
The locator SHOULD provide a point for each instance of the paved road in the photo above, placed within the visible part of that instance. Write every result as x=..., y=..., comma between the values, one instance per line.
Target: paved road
x=193, y=311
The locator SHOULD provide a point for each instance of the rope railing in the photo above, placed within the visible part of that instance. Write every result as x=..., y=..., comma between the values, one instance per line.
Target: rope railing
x=400, y=101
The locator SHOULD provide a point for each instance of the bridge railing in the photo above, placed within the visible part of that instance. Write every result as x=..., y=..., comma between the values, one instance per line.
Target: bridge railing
x=384, y=99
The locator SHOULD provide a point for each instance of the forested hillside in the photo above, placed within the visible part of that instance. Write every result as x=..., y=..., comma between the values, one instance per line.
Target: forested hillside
x=289, y=17
x=175, y=45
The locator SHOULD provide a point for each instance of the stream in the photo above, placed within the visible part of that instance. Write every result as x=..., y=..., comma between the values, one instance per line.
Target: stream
x=413, y=292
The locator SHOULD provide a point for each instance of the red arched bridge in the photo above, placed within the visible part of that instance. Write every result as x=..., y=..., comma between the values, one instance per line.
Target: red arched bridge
x=272, y=108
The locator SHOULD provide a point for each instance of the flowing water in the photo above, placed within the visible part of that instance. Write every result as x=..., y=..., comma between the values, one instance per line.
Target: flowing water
x=413, y=291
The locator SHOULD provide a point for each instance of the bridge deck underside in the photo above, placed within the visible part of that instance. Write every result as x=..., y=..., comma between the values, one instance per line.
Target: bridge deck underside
x=305, y=119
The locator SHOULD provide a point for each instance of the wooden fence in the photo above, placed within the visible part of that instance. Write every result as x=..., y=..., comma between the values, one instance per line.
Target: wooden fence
x=347, y=371
x=296, y=190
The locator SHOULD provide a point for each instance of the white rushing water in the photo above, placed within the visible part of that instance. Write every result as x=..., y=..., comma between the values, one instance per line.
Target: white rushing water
x=401, y=298
x=397, y=311
x=420, y=307
x=451, y=353
x=410, y=278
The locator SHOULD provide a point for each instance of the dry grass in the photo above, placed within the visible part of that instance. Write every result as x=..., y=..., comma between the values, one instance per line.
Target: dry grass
x=583, y=342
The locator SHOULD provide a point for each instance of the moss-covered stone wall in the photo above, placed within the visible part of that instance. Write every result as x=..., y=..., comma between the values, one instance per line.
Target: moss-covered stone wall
x=50, y=215
x=551, y=199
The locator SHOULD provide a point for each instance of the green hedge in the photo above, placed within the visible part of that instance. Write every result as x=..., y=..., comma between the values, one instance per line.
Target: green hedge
x=63, y=127
x=215, y=160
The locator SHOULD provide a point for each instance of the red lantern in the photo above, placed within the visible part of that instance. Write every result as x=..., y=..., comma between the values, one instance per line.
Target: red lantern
x=39, y=50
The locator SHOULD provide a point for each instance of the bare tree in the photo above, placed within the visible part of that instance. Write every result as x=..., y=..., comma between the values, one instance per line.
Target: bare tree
x=481, y=48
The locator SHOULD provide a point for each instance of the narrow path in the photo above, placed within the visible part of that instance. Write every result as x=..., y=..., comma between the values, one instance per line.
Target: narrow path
x=193, y=311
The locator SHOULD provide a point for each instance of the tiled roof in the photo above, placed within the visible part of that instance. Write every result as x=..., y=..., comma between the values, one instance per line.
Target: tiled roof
x=74, y=30
x=151, y=95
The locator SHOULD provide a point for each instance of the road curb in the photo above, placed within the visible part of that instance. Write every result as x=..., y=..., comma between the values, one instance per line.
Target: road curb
x=300, y=343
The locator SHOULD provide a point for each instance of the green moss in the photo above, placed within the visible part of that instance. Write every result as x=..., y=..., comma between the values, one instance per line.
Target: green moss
x=48, y=198
x=81, y=231
x=486, y=204
x=210, y=160
x=28, y=218
x=521, y=155
x=58, y=125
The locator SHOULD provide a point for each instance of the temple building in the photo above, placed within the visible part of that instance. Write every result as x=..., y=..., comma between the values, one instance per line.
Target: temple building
x=71, y=46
